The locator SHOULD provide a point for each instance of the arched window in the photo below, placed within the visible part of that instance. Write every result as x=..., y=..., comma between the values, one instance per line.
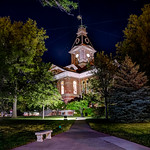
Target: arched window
x=62, y=87
x=74, y=87
x=83, y=87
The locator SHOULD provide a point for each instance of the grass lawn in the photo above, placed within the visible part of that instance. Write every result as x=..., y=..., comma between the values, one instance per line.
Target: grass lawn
x=135, y=132
x=46, y=118
x=17, y=132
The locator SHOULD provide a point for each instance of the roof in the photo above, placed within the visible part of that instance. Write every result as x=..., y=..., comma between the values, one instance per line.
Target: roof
x=82, y=39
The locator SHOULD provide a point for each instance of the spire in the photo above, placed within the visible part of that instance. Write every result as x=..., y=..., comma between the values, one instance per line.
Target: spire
x=82, y=28
x=82, y=31
x=82, y=50
x=82, y=38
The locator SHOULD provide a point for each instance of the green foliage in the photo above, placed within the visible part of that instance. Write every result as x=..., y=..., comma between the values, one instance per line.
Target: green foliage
x=84, y=106
x=60, y=106
x=130, y=98
x=96, y=106
x=5, y=99
x=21, y=45
x=128, y=78
x=64, y=5
x=42, y=89
x=5, y=105
x=104, y=72
x=99, y=112
x=135, y=132
x=136, y=41
x=14, y=133
x=91, y=97
x=78, y=106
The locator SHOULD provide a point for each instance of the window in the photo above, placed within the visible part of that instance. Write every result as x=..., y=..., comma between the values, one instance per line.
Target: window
x=87, y=86
x=83, y=87
x=74, y=87
x=62, y=87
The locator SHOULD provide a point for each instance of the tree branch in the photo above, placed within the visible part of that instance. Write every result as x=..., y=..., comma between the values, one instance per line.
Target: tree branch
x=58, y=6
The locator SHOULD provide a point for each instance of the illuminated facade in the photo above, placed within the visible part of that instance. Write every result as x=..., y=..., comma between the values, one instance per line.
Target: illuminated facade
x=72, y=80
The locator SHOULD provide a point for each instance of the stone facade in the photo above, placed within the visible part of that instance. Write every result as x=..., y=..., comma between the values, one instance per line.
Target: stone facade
x=73, y=80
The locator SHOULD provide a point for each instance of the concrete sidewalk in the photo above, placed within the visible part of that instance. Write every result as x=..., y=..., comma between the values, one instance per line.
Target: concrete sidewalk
x=82, y=137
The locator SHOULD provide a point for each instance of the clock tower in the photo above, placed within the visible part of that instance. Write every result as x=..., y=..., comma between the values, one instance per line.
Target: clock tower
x=82, y=50
x=73, y=80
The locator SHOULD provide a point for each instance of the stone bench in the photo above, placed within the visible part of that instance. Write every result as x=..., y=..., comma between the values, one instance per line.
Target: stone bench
x=41, y=133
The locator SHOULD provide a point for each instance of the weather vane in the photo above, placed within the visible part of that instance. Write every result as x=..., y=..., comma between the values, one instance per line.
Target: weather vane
x=79, y=17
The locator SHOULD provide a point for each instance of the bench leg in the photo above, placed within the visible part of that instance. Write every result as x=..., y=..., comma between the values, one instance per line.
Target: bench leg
x=48, y=136
x=39, y=138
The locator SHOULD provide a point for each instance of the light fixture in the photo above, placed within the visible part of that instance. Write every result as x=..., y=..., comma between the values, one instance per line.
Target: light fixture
x=88, y=55
x=77, y=55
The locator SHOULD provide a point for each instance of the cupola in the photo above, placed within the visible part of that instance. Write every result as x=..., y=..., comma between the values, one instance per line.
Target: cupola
x=82, y=50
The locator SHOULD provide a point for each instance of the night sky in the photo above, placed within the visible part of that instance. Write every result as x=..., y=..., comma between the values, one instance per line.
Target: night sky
x=105, y=20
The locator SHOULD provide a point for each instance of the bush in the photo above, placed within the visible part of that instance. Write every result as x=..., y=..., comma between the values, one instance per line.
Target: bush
x=99, y=112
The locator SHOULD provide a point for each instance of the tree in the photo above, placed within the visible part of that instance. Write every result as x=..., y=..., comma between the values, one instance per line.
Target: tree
x=78, y=106
x=130, y=97
x=5, y=106
x=5, y=99
x=21, y=45
x=42, y=88
x=104, y=72
x=136, y=41
x=64, y=5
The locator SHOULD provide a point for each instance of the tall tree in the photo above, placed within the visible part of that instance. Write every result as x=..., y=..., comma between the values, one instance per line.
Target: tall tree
x=136, y=41
x=130, y=97
x=42, y=90
x=64, y=5
x=104, y=72
x=21, y=45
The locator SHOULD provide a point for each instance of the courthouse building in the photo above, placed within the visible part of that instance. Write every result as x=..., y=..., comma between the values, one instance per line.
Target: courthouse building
x=73, y=80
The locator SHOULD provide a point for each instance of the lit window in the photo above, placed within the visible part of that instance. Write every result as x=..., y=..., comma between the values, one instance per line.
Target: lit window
x=88, y=55
x=77, y=55
x=74, y=87
x=62, y=87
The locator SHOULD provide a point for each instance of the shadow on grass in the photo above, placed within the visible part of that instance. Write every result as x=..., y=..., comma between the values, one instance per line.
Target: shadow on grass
x=15, y=132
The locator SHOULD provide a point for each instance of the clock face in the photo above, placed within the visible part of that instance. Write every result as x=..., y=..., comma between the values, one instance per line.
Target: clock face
x=87, y=40
x=88, y=55
x=77, y=55
x=77, y=41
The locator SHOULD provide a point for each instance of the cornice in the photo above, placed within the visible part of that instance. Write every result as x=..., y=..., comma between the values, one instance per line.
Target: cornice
x=74, y=74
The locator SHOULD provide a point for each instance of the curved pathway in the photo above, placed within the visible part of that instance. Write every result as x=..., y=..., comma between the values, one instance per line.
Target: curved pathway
x=82, y=137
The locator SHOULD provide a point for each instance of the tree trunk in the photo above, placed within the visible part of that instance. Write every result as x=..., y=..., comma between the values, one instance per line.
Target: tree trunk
x=2, y=113
x=57, y=112
x=81, y=112
x=106, y=108
x=14, y=115
x=43, y=111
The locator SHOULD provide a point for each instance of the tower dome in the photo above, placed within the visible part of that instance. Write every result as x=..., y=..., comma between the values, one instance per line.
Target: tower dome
x=82, y=50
